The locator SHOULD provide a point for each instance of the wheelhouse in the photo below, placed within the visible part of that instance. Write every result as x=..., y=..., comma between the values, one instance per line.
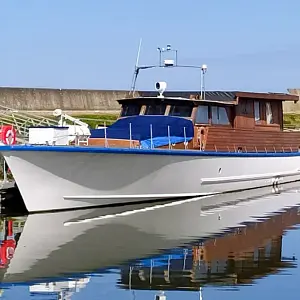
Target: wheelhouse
x=155, y=106
x=260, y=111
x=202, y=120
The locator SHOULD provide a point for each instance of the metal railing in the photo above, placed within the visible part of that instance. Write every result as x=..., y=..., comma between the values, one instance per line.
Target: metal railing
x=131, y=139
x=108, y=142
x=256, y=149
x=21, y=121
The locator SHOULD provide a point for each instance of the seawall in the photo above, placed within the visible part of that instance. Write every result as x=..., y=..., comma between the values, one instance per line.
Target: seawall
x=40, y=99
x=45, y=100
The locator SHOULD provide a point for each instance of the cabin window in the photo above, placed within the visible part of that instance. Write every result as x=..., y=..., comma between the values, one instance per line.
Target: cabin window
x=245, y=107
x=219, y=115
x=130, y=110
x=257, y=111
x=269, y=114
x=181, y=111
x=202, y=114
x=156, y=109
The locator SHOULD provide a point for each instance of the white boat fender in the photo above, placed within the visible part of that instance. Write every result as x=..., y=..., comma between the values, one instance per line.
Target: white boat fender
x=201, y=132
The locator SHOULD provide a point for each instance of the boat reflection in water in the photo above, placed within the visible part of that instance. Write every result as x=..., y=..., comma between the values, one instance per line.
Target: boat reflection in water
x=225, y=239
x=239, y=257
x=63, y=289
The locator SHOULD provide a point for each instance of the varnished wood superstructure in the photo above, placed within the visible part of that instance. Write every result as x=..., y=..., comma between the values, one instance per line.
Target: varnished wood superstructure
x=223, y=121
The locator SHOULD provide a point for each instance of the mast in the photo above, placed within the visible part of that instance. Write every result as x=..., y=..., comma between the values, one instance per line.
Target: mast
x=136, y=71
x=166, y=63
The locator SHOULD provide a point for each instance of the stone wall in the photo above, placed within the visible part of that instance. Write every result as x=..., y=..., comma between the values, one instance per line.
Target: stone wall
x=29, y=99
x=42, y=99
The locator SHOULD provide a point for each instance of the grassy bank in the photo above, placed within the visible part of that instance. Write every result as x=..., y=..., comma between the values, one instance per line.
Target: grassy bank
x=289, y=120
x=95, y=120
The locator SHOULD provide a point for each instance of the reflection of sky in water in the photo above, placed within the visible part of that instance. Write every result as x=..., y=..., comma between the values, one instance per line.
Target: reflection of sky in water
x=277, y=283
x=283, y=284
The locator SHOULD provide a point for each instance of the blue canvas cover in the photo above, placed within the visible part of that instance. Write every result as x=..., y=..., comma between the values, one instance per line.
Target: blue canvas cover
x=181, y=129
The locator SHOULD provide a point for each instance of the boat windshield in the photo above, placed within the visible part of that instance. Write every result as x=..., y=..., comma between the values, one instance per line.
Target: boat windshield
x=155, y=109
x=131, y=109
x=181, y=111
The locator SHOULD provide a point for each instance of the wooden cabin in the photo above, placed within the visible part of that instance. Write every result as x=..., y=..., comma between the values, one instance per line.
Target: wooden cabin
x=223, y=121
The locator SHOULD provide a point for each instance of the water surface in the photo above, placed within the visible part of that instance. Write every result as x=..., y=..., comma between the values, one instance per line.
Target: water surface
x=234, y=246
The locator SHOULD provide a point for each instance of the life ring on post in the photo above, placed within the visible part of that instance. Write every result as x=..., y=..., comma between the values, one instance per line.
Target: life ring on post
x=8, y=135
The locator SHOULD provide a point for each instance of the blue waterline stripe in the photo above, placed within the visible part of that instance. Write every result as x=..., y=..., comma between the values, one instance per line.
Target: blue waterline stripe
x=93, y=149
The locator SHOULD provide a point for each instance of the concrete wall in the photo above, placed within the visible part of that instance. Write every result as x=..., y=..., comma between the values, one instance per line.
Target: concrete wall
x=29, y=99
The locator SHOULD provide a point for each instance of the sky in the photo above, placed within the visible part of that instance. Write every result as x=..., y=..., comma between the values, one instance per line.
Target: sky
x=92, y=44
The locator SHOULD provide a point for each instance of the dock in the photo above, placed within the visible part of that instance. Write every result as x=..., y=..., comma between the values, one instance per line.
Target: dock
x=7, y=184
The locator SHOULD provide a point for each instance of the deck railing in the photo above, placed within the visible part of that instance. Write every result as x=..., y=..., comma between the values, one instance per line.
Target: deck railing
x=83, y=140
x=22, y=121
x=131, y=139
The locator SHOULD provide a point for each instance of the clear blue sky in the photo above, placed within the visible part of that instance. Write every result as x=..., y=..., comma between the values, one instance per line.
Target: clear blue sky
x=247, y=45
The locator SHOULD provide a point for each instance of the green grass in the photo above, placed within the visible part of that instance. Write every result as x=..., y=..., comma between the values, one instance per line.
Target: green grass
x=94, y=120
x=91, y=120
x=291, y=120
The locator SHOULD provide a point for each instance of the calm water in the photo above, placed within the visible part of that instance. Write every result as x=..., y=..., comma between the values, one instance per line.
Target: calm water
x=244, y=245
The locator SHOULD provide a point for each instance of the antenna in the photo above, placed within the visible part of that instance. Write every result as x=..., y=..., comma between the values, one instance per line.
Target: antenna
x=136, y=70
x=138, y=54
x=167, y=63
x=202, y=87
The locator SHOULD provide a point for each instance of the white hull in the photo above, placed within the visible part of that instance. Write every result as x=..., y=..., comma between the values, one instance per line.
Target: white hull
x=46, y=245
x=58, y=178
